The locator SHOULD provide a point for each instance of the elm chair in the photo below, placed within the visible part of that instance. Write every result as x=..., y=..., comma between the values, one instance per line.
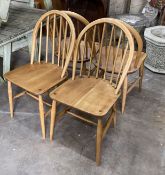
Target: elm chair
x=137, y=64
x=94, y=95
x=41, y=75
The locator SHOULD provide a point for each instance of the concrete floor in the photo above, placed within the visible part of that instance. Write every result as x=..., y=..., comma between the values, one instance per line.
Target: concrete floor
x=135, y=147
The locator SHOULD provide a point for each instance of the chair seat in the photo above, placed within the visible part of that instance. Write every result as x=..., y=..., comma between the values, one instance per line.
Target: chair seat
x=132, y=68
x=36, y=78
x=91, y=95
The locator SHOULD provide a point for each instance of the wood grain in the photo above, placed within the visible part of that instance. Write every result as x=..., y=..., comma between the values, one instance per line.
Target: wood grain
x=36, y=78
x=83, y=94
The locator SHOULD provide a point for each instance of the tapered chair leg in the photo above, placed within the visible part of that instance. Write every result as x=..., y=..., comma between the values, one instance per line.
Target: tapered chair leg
x=10, y=95
x=99, y=141
x=52, y=120
x=42, y=116
x=141, y=75
x=114, y=115
x=125, y=88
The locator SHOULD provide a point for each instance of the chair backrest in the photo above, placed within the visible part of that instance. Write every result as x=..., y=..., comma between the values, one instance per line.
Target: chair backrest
x=79, y=21
x=62, y=27
x=89, y=36
x=137, y=41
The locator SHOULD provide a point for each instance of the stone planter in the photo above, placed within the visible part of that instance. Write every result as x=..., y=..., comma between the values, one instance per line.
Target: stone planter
x=155, y=48
x=4, y=10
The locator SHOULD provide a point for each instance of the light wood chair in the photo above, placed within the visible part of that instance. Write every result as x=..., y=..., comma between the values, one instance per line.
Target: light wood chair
x=92, y=94
x=40, y=76
x=79, y=23
x=137, y=64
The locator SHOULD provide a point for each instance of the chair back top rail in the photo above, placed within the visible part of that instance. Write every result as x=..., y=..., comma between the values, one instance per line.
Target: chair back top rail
x=137, y=40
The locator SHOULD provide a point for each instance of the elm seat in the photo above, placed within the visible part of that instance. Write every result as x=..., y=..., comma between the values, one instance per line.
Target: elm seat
x=36, y=78
x=86, y=91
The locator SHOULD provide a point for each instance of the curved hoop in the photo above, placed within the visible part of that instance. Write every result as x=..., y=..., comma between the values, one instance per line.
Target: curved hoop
x=37, y=27
x=77, y=16
x=138, y=39
x=121, y=26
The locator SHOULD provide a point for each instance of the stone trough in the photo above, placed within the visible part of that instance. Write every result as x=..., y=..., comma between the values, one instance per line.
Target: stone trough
x=155, y=48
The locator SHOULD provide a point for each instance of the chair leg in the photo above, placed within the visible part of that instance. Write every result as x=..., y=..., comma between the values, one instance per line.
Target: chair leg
x=84, y=70
x=10, y=95
x=141, y=74
x=42, y=116
x=114, y=115
x=52, y=121
x=99, y=141
x=125, y=87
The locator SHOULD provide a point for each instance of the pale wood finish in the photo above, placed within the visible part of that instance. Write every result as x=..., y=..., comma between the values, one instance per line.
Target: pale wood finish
x=10, y=95
x=92, y=94
x=136, y=65
x=125, y=87
x=42, y=116
x=36, y=78
x=79, y=23
x=83, y=94
x=41, y=75
x=99, y=140
x=53, y=115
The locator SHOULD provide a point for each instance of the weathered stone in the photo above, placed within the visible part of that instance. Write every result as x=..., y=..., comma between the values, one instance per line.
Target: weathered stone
x=155, y=42
x=4, y=10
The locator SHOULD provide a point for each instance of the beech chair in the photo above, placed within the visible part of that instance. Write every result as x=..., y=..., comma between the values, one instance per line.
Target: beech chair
x=137, y=64
x=79, y=23
x=92, y=94
x=43, y=74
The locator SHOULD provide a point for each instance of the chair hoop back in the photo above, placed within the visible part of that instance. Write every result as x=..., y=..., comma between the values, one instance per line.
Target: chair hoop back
x=61, y=27
x=108, y=41
x=78, y=18
x=137, y=40
x=79, y=23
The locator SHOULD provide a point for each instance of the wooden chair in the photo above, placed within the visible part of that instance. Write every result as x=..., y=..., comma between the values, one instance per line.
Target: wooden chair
x=92, y=94
x=137, y=65
x=79, y=23
x=38, y=77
